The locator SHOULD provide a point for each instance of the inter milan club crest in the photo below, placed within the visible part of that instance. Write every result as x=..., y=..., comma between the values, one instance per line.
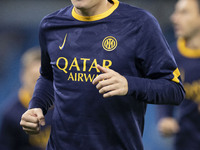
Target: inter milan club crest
x=109, y=43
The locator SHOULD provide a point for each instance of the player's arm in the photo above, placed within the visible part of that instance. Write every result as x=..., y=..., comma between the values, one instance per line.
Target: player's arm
x=160, y=79
x=43, y=95
x=157, y=91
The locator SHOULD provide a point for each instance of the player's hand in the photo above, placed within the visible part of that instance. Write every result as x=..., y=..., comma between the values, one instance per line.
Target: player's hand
x=110, y=83
x=31, y=121
x=168, y=126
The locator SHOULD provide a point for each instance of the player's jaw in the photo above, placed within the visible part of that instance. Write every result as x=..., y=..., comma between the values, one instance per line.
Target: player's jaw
x=179, y=30
x=186, y=29
x=80, y=4
x=84, y=4
x=90, y=7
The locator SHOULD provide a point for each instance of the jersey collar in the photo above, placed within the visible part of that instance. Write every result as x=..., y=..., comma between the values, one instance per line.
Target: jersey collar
x=96, y=17
x=187, y=52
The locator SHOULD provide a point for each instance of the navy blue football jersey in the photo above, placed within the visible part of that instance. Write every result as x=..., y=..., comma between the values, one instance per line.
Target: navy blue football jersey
x=124, y=38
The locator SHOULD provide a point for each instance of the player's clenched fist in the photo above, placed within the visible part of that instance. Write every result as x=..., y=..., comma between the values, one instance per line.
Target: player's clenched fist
x=31, y=121
x=168, y=126
x=110, y=83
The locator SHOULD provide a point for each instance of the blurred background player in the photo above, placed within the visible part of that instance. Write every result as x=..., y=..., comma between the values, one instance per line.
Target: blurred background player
x=186, y=21
x=12, y=136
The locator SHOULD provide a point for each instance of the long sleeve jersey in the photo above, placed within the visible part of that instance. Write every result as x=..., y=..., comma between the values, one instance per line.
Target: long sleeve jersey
x=188, y=61
x=124, y=38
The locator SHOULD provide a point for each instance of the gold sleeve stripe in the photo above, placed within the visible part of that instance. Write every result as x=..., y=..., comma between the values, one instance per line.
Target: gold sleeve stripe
x=176, y=74
x=96, y=17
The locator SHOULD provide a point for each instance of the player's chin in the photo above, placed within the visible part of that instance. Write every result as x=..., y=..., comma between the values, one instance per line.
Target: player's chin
x=80, y=5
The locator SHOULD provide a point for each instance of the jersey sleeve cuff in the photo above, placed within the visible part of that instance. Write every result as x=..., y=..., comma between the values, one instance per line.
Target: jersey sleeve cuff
x=36, y=103
x=135, y=86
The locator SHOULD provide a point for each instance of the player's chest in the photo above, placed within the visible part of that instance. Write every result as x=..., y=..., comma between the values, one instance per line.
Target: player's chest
x=107, y=40
x=90, y=46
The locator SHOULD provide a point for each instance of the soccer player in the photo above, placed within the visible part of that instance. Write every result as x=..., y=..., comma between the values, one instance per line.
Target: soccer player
x=12, y=136
x=102, y=62
x=186, y=21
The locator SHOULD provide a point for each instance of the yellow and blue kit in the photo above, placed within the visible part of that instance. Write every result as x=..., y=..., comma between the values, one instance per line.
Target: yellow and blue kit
x=12, y=136
x=188, y=61
x=124, y=38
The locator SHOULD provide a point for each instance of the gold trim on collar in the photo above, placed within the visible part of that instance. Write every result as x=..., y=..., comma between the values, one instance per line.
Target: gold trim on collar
x=24, y=97
x=96, y=17
x=187, y=52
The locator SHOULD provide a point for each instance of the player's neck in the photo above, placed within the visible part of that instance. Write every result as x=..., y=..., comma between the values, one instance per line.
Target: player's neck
x=193, y=42
x=98, y=9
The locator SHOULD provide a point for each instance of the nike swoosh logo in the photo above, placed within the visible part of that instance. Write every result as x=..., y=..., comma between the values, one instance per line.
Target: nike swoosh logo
x=61, y=47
